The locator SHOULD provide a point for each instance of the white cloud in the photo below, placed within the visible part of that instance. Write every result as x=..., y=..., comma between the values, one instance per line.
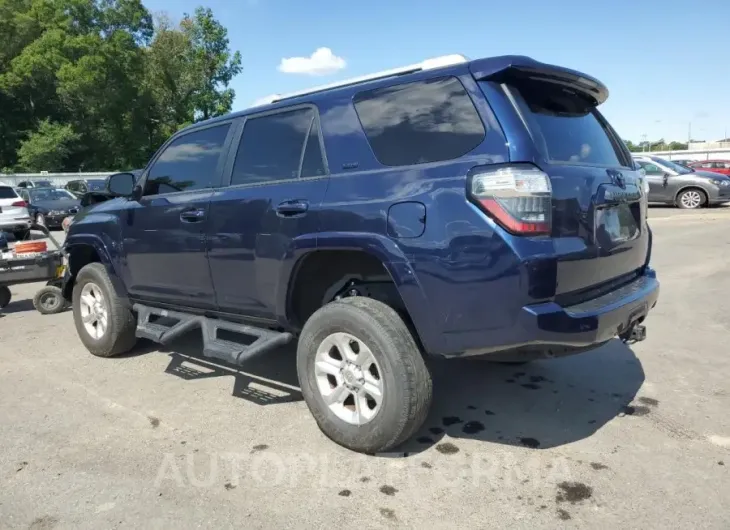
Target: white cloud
x=321, y=62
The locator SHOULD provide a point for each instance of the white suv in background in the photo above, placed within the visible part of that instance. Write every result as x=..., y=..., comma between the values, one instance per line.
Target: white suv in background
x=13, y=212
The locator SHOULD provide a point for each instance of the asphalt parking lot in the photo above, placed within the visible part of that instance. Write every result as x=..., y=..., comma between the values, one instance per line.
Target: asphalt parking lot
x=616, y=438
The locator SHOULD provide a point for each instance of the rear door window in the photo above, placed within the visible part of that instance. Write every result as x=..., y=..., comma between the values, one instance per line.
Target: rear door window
x=281, y=146
x=416, y=123
x=566, y=127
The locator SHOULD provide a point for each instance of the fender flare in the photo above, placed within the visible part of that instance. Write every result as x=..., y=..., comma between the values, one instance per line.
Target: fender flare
x=384, y=249
x=101, y=248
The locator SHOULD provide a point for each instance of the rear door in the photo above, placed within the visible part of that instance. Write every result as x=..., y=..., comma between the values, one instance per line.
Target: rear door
x=598, y=226
x=722, y=167
x=658, y=182
x=277, y=180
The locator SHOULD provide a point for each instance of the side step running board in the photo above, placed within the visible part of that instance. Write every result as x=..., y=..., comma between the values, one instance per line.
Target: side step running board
x=213, y=346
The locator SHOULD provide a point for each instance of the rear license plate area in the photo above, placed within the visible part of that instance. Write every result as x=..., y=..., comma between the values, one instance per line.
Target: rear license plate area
x=617, y=224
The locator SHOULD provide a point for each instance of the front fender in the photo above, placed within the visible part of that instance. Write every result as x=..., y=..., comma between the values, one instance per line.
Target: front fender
x=105, y=248
x=381, y=247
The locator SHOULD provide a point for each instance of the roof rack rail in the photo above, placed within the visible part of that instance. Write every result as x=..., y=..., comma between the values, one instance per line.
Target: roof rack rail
x=428, y=64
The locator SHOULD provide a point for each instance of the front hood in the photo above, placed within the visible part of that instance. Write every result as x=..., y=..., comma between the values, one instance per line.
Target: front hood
x=63, y=205
x=711, y=175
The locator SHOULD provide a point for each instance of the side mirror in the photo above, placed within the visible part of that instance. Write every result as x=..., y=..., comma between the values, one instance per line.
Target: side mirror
x=120, y=184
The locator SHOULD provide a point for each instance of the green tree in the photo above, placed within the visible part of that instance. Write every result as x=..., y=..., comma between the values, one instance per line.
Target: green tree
x=212, y=64
x=48, y=147
x=99, y=72
x=189, y=68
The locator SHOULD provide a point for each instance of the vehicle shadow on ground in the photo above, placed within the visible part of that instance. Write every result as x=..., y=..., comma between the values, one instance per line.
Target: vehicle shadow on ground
x=267, y=380
x=18, y=306
x=538, y=405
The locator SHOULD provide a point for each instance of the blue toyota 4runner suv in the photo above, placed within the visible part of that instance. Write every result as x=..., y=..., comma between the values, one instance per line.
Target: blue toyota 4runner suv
x=454, y=208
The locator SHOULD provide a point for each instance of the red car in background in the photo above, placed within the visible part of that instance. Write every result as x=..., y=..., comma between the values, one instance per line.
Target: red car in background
x=717, y=166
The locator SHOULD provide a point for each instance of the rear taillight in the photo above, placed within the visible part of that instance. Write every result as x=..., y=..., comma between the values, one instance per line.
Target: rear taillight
x=518, y=197
x=20, y=204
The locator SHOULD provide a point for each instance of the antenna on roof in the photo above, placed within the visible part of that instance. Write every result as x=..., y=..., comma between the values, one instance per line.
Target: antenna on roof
x=428, y=64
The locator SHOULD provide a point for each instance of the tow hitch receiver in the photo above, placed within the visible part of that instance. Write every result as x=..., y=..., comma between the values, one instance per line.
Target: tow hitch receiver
x=637, y=333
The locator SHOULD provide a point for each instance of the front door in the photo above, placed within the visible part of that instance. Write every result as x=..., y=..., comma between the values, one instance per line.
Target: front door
x=277, y=183
x=164, y=232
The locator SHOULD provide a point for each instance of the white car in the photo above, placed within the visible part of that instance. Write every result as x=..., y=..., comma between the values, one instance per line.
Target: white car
x=13, y=212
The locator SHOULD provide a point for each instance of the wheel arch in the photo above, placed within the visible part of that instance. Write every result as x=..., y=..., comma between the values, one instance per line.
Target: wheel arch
x=687, y=187
x=375, y=249
x=82, y=250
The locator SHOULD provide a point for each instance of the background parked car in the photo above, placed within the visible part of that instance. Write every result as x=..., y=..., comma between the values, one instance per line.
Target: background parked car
x=50, y=206
x=35, y=183
x=684, y=162
x=13, y=212
x=81, y=186
x=672, y=183
x=716, y=166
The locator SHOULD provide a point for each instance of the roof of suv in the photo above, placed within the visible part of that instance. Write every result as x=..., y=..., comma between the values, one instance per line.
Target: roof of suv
x=486, y=68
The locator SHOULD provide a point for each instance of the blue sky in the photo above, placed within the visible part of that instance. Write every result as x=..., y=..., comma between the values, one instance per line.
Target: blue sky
x=666, y=63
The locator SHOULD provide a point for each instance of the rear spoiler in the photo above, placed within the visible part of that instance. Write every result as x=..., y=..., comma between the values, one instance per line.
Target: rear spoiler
x=516, y=67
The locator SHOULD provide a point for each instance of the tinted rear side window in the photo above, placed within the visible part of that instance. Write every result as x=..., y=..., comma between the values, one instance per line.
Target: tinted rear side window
x=421, y=122
x=566, y=127
x=7, y=193
x=273, y=148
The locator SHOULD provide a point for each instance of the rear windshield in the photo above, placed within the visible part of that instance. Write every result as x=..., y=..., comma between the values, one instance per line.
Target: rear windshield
x=7, y=193
x=565, y=126
x=42, y=183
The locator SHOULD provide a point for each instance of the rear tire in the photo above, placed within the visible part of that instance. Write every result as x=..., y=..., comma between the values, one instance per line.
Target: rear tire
x=691, y=199
x=5, y=296
x=49, y=300
x=104, y=323
x=400, y=375
x=21, y=235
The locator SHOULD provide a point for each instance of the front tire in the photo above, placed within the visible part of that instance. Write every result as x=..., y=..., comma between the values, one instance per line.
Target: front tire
x=691, y=199
x=104, y=323
x=362, y=375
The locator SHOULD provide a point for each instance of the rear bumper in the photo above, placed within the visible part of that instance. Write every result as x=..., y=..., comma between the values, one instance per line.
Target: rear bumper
x=594, y=321
x=582, y=325
x=10, y=225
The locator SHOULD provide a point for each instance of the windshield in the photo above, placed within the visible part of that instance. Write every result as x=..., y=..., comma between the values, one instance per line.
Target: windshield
x=671, y=165
x=42, y=183
x=96, y=185
x=38, y=195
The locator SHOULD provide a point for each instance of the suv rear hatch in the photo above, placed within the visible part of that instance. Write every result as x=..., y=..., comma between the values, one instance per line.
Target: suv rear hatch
x=599, y=230
x=12, y=207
